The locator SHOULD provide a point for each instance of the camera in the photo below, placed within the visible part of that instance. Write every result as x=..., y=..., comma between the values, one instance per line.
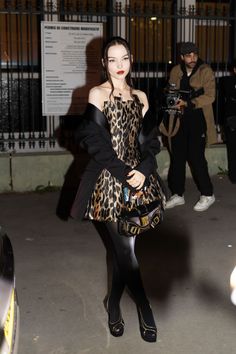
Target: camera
x=172, y=96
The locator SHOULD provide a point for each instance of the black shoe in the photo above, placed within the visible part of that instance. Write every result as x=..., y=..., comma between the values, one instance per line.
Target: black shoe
x=116, y=326
x=147, y=327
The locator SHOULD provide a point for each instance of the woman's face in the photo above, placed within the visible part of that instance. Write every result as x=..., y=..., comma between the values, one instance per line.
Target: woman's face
x=118, y=61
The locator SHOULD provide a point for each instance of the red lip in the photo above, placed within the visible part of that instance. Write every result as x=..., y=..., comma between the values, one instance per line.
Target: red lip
x=120, y=72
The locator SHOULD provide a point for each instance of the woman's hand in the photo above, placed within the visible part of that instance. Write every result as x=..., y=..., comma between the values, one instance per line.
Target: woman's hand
x=136, y=179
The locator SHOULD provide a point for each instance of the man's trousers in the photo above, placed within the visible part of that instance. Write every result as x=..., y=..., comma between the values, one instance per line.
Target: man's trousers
x=188, y=145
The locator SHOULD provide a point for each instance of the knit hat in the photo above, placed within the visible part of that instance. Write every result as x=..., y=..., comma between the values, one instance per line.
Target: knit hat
x=188, y=47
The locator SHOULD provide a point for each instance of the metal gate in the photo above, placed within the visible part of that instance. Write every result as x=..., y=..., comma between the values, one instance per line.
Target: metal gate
x=154, y=29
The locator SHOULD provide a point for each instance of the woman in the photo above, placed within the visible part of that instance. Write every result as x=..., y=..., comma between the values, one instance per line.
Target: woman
x=120, y=135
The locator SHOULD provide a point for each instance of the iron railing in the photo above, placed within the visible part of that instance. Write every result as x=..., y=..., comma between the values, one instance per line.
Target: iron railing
x=153, y=28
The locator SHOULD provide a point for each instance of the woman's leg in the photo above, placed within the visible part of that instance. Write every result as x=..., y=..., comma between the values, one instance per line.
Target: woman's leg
x=126, y=264
x=117, y=283
x=116, y=291
x=126, y=269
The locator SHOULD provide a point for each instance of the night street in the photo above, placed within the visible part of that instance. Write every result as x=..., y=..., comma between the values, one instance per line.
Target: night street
x=61, y=278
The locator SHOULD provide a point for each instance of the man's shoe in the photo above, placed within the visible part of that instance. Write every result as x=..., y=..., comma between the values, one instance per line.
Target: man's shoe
x=174, y=201
x=204, y=202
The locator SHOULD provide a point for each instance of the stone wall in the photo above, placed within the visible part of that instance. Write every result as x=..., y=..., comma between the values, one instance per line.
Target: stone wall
x=28, y=172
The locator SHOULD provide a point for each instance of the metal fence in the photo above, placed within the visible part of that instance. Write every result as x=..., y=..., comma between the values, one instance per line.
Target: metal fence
x=153, y=28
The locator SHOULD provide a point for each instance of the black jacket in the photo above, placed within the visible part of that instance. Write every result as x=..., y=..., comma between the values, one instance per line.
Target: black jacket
x=227, y=96
x=94, y=136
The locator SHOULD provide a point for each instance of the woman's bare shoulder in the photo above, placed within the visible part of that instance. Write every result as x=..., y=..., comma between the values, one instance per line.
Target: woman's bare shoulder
x=97, y=96
x=142, y=98
x=141, y=95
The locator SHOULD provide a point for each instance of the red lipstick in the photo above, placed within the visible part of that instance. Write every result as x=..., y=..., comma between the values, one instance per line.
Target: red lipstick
x=120, y=72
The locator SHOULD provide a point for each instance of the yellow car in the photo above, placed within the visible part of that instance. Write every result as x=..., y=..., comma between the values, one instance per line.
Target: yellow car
x=9, y=309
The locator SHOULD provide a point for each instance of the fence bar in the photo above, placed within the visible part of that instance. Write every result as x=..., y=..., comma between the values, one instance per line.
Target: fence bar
x=153, y=28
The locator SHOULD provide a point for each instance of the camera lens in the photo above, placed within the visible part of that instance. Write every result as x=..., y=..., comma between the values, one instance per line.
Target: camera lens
x=171, y=102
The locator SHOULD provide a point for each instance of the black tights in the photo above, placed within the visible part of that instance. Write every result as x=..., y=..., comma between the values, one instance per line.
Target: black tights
x=125, y=267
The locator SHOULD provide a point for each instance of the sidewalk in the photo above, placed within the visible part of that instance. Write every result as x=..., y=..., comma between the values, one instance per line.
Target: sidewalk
x=61, y=278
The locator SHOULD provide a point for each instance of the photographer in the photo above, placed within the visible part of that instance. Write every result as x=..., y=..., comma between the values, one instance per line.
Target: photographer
x=196, y=128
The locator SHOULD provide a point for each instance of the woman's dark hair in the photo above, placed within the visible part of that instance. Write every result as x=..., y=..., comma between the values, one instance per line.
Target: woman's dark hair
x=111, y=42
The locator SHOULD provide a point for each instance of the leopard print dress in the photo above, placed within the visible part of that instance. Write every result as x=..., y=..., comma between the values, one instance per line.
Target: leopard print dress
x=124, y=119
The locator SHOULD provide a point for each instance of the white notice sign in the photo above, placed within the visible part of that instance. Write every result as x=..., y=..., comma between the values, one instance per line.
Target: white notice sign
x=71, y=65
